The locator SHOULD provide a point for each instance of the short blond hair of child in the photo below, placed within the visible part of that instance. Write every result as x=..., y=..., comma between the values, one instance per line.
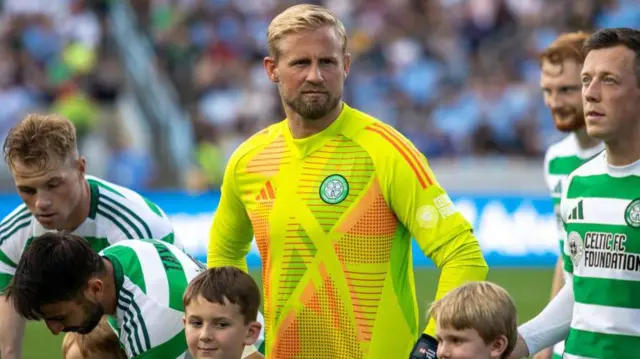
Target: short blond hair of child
x=483, y=306
x=101, y=342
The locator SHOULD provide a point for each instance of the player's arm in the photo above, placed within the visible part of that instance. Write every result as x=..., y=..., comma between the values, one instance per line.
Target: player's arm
x=552, y=325
x=558, y=278
x=11, y=331
x=231, y=233
x=11, y=324
x=443, y=234
x=548, y=328
x=160, y=225
x=558, y=275
x=556, y=286
x=425, y=209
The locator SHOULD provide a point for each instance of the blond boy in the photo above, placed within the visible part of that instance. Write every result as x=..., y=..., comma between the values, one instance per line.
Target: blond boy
x=100, y=343
x=221, y=314
x=475, y=321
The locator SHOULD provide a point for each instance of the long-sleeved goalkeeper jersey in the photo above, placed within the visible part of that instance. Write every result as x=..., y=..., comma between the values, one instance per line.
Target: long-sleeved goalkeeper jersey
x=333, y=215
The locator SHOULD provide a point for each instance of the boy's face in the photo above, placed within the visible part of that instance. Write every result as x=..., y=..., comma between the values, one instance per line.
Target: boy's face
x=467, y=344
x=217, y=331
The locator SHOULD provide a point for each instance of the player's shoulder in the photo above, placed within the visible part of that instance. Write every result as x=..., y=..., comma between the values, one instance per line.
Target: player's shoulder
x=388, y=147
x=597, y=165
x=138, y=248
x=392, y=153
x=567, y=146
x=377, y=137
x=16, y=222
x=592, y=167
x=124, y=197
x=121, y=212
x=257, y=141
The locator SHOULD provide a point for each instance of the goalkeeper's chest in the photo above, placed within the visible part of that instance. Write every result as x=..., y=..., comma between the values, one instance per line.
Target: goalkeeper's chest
x=323, y=186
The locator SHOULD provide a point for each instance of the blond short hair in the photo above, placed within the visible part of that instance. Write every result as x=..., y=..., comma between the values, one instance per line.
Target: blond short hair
x=483, y=306
x=40, y=141
x=101, y=341
x=302, y=17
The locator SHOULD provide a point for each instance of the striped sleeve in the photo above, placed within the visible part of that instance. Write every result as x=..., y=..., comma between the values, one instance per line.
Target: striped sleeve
x=150, y=310
x=14, y=232
x=412, y=191
x=424, y=208
x=132, y=220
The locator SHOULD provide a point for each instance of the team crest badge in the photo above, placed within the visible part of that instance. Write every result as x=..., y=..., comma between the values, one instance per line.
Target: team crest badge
x=632, y=213
x=576, y=249
x=334, y=189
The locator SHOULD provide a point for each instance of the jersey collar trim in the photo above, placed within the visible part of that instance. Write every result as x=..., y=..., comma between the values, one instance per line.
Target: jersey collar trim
x=304, y=146
x=632, y=169
x=93, y=206
x=118, y=273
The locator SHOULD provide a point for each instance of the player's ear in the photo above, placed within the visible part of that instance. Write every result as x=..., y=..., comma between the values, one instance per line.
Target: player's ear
x=253, y=333
x=271, y=68
x=81, y=165
x=347, y=64
x=498, y=346
x=95, y=288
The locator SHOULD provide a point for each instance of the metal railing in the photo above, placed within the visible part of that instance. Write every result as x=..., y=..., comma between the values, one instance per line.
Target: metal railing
x=169, y=123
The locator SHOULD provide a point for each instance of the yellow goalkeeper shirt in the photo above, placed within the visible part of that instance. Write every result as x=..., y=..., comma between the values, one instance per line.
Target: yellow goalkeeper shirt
x=333, y=216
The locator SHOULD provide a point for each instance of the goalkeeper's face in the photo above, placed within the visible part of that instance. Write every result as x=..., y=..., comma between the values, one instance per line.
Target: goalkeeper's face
x=562, y=93
x=80, y=316
x=467, y=344
x=310, y=71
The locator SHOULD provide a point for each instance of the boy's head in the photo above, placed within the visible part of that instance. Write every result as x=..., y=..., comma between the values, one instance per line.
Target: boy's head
x=475, y=321
x=101, y=343
x=221, y=309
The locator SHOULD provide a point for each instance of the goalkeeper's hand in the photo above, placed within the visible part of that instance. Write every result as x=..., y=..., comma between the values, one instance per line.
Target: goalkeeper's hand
x=425, y=348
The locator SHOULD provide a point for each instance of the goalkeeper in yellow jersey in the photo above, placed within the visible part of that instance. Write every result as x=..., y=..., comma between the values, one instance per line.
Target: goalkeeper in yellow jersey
x=333, y=198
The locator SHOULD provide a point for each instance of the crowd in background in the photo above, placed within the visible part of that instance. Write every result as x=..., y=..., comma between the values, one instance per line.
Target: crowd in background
x=55, y=57
x=458, y=77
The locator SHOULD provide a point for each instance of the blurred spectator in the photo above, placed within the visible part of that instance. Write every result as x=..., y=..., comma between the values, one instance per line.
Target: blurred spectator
x=127, y=165
x=459, y=77
x=53, y=58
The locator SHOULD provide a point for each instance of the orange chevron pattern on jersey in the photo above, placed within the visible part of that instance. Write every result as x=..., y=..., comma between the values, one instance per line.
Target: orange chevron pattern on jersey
x=409, y=153
x=336, y=259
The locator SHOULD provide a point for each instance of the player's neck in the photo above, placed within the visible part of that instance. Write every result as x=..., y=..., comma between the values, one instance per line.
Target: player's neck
x=81, y=212
x=110, y=300
x=584, y=140
x=624, y=150
x=302, y=127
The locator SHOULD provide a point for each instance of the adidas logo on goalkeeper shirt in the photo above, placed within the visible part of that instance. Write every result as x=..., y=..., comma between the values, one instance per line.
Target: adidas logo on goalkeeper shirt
x=577, y=212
